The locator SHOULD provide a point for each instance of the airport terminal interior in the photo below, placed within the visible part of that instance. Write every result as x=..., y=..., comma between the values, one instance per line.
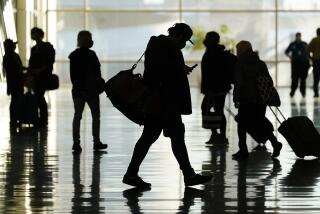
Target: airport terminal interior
x=39, y=173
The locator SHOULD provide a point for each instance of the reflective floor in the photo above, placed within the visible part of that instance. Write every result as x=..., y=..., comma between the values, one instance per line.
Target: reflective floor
x=39, y=173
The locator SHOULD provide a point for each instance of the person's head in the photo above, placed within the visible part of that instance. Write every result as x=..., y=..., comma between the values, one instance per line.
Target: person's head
x=212, y=39
x=243, y=47
x=84, y=39
x=298, y=36
x=37, y=34
x=9, y=45
x=181, y=32
x=318, y=31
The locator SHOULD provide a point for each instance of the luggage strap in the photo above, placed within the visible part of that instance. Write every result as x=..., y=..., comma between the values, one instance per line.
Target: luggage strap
x=230, y=112
x=135, y=64
x=276, y=115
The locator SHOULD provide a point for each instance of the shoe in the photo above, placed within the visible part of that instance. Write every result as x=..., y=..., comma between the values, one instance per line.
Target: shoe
x=291, y=94
x=135, y=181
x=240, y=155
x=196, y=179
x=276, y=150
x=99, y=145
x=76, y=147
x=316, y=95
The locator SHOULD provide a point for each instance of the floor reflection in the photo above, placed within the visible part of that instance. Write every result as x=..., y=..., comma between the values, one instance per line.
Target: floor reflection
x=83, y=202
x=29, y=172
x=40, y=174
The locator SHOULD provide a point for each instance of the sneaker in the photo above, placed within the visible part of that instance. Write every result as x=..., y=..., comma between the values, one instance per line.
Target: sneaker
x=276, y=150
x=135, y=181
x=196, y=179
x=76, y=147
x=240, y=155
x=99, y=145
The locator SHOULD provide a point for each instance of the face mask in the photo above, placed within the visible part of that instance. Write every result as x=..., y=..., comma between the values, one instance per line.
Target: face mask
x=90, y=44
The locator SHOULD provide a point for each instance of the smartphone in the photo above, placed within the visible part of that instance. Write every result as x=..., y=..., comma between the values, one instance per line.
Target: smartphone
x=194, y=66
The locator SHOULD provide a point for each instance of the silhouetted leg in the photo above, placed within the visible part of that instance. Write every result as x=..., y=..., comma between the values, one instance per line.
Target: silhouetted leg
x=316, y=76
x=94, y=105
x=43, y=106
x=294, y=78
x=277, y=146
x=78, y=109
x=149, y=135
x=218, y=105
x=303, y=76
x=179, y=149
x=242, y=135
x=13, y=108
x=242, y=132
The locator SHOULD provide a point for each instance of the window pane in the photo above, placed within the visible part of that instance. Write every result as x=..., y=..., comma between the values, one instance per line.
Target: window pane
x=62, y=32
x=161, y=4
x=298, y=4
x=258, y=28
x=125, y=35
x=290, y=23
x=60, y=4
x=228, y=5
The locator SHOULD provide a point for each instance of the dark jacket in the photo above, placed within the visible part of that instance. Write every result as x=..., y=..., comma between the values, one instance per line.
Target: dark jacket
x=164, y=69
x=216, y=70
x=246, y=71
x=84, y=67
x=42, y=54
x=298, y=51
x=12, y=67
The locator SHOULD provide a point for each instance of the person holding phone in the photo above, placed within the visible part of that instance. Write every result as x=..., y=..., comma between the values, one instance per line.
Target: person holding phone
x=165, y=70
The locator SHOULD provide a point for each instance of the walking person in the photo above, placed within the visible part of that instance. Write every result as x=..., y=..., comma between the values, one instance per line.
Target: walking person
x=217, y=73
x=251, y=111
x=41, y=63
x=166, y=71
x=298, y=54
x=84, y=70
x=314, y=52
x=13, y=70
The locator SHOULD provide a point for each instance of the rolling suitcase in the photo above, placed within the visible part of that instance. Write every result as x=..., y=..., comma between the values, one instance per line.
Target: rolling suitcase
x=28, y=109
x=301, y=135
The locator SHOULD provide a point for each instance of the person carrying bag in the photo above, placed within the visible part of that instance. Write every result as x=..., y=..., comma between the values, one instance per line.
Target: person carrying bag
x=165, y=73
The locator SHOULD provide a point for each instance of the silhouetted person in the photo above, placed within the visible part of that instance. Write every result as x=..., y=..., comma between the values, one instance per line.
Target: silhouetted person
x=84, y=64
x=217, y=73
x=251, y=111
x=41, y=66
x=314, y=52
x=297, y=52
x=166, y=71
x=13, y=68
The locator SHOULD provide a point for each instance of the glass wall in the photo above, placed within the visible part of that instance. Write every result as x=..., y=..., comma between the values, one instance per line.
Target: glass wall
x=121, y=29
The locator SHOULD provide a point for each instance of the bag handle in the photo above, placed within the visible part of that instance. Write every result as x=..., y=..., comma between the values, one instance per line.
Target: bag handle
x=135, y=64
x=276, y=115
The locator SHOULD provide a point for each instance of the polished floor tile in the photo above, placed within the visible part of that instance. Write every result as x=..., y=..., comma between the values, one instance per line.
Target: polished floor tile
x=39, y=173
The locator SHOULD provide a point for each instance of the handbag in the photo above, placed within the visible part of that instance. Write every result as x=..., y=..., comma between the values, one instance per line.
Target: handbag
x=267, y=92
x=53, y=82
x=130, y=95
x=210, y=120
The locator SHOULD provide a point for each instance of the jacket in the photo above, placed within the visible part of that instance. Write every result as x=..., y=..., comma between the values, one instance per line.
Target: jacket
x=216, y=70
x=84, y=66
x=164, y=71
x=247, y=70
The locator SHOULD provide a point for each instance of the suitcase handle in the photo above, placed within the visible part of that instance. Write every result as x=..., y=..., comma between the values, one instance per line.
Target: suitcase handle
x=276, y=115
